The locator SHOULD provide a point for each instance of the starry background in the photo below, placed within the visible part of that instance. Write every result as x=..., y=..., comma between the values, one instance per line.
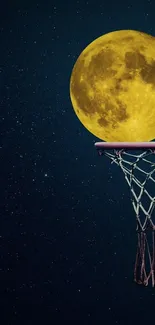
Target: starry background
x=67, y=228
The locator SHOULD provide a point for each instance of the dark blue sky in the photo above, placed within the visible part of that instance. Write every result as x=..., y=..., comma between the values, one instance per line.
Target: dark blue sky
x=67, y=227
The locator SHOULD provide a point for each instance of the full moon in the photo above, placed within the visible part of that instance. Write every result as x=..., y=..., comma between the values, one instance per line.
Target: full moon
x=112, y=87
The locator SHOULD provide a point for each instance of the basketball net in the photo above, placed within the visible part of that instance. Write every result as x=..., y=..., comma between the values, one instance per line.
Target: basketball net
x=139, y=172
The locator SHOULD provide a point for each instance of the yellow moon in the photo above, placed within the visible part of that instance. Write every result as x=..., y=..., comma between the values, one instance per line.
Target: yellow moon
x=112, y=86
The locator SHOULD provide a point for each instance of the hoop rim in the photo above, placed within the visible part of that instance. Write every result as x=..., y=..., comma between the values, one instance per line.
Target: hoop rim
x=125, y=145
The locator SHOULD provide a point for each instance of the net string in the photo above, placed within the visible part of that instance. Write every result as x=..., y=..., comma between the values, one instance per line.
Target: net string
x=121, y=158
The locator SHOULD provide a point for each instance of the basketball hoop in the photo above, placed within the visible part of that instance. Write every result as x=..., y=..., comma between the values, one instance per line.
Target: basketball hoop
x=137, y=161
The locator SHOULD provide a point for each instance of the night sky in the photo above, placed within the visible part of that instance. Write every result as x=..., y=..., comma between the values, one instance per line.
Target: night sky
x=67, y=226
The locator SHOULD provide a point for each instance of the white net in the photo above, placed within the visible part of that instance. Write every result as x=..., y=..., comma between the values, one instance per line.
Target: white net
x=139, y=171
